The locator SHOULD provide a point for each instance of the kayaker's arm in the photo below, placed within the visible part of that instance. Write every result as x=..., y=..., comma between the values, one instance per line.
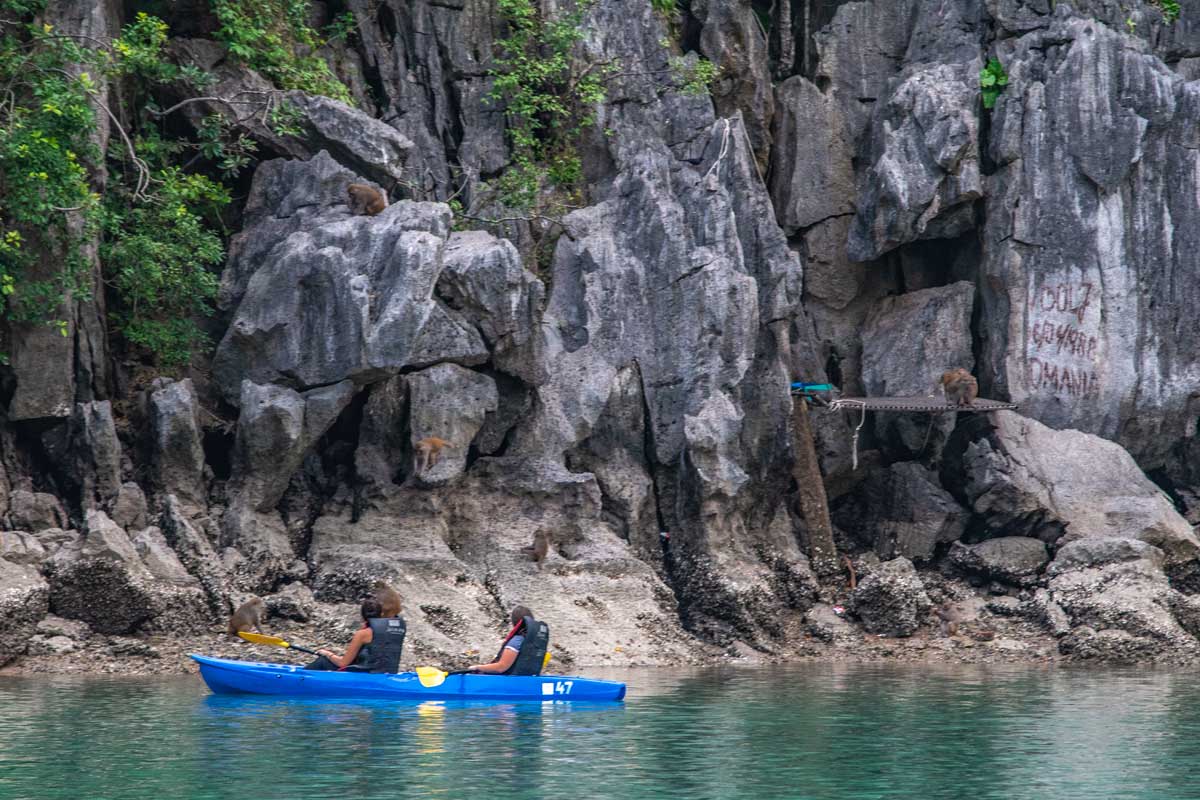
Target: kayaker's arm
x=505, y=661
x=361, y=637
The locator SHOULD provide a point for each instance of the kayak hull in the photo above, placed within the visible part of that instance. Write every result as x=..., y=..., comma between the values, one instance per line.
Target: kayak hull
x=225, y=676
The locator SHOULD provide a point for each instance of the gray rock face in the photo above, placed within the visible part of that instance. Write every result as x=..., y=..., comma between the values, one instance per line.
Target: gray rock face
x=35, y=511
x=908, y=342
x=455, y=554
x=88, y=454
x=1087, y=256
x=448, y=402
x=382, y=439
x=24, y=600
x=347, y=298
x=891, y=600
x=276, y=428
x=483, y=279
x=815, y=179
x=177, y=454
x=1026, y=479
x=129, y=510
x=1012, y=559
x=902, y=511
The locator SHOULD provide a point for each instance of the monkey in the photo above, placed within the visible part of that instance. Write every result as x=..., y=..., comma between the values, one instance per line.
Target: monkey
x=850, y=566
x=365, y=199
x=389, y=599
x=949, y=617
x=539, y=549
x=249, y=614
x=960, y=387
x=428, y=452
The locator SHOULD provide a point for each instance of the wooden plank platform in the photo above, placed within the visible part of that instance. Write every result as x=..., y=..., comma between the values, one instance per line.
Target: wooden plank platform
x=914, y=404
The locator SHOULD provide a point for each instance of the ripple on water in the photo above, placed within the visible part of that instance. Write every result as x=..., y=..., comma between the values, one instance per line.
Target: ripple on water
x=809, y=731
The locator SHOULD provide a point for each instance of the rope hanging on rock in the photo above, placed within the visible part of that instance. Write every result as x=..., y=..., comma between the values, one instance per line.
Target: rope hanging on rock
x=845, y=403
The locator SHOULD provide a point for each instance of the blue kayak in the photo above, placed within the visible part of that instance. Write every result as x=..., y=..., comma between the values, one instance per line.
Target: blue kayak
x=225, y=676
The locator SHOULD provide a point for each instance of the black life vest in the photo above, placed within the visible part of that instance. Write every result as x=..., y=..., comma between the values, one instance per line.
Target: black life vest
x=387, y=642
x=533, y=648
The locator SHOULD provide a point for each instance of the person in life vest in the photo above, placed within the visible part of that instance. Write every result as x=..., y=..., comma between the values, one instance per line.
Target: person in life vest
x=375, y=647
x=524, y=649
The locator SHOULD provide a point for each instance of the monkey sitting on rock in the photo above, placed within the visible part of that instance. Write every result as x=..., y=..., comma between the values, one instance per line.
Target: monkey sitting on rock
x=250, y=614
x=960, y=387
x=365, y=199
x=539, y=549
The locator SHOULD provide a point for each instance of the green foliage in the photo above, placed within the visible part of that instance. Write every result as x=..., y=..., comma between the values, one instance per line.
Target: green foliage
x=664, y=7
x=693, y=76
x=1170, y=9
x=548, y=96
x=992, y=80
x=156, y=223
x=274, y=37
x=160, y=256
x=45, y=123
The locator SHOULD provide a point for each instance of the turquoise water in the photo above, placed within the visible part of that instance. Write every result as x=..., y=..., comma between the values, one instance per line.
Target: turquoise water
x=811, y=731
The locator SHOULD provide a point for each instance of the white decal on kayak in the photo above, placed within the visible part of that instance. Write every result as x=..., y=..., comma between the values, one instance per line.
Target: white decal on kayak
x=547, y=688
x=563, y=687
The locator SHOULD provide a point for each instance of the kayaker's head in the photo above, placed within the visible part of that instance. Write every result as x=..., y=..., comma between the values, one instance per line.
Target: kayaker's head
x=371, y=609
x=519, y=613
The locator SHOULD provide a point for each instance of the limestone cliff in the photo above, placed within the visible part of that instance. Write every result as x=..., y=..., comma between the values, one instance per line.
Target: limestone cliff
x=838, y=206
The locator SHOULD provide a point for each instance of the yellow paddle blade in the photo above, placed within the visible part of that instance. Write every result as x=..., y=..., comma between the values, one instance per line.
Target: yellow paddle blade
x=258, y=638
x=546, y=660
x=430, y=676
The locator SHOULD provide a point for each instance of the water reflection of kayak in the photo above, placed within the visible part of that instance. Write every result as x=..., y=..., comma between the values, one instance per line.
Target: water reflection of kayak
x=225, y=676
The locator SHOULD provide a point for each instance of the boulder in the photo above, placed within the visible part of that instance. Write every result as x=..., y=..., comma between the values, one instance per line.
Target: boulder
x=34, y=511
x=276, y=428
x=24, y=600
x=1120, y=604
x=19, y=547
x=1011, y=559
x=103, y=581
x=176, y=446
x=294, y=601
x=347, y=298
x=192, y=545
x=901, y=511
x=891, y=600
x=1025, y=479
x=156, y=554
x=129, y=510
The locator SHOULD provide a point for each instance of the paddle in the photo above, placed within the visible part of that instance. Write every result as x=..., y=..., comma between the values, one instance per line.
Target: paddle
x=432, y=676
x=258, y=638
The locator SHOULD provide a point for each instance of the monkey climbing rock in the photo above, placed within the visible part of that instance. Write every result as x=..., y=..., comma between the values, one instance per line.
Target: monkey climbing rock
x=365, y=199
x=427, y=452
x=960, y=387
x=249, y=614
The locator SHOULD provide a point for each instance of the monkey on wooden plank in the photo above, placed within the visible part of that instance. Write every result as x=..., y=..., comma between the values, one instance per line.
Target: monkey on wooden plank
x=960, y=387
x=249, y=614
x=365, y=199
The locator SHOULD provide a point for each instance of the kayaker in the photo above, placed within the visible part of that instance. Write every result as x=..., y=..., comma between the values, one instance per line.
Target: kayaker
x=375, y=647
x=523, y=650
